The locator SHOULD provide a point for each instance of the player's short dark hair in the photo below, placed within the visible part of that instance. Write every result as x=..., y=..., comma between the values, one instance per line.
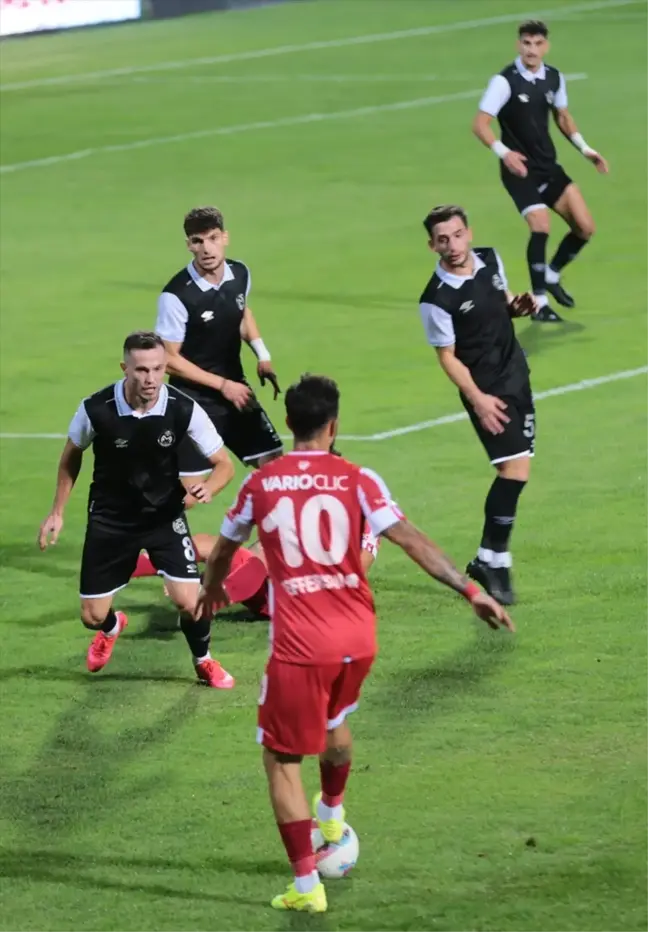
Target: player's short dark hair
x=533, y=27
x=142, y=339
x=202, y=220
x=311, y=404
x=442, y=214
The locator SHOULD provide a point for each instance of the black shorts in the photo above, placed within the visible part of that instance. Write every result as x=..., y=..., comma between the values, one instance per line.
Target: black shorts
x=518, y=438
x=110, y=555
x=248, y=434
x=536, y=190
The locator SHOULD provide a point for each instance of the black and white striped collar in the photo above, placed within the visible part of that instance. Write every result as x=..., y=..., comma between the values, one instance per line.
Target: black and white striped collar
x=125, y=410
x=203, y=284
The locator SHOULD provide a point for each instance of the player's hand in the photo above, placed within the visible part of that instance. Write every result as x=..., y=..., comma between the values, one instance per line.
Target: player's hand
x=516, y=164
x=236, y=392
x=597, y=160
x=200, y=492
x=523, y=305
x=491, y=412
x=50, y=530
x=491, y=612
x=210, y=602
x=267, y=373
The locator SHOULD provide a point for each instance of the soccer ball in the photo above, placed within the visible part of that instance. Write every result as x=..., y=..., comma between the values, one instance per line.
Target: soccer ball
x=335, y=860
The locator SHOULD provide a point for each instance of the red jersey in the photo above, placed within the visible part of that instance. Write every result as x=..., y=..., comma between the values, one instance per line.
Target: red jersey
x=310, y=508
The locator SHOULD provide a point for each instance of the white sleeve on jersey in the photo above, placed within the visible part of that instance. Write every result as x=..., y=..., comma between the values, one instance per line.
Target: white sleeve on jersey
x=81, y=432
x=560, y=97
x=172, y=316
x=502, y=273
x=496, y=95
x=238, y=522
x=439, y=328
x=203, y=433
x=380, y=511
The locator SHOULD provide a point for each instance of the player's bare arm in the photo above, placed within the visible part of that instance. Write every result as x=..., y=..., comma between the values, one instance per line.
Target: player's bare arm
x=567, y=126
x=68, y=471
x=433, y=560
x=220, y=476
x=252, y=336
x=490, y=410
x=176, y=364
x=212, y=596
x=514, y=161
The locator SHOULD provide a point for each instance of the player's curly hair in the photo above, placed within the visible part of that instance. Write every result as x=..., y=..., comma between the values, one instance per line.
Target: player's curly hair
x=533, y=27
x=202, y=220
x=311, y=404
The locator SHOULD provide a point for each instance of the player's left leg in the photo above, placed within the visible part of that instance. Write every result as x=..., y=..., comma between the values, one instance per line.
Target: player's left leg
x=292, y=725
x=171, y=550
x=572, y=208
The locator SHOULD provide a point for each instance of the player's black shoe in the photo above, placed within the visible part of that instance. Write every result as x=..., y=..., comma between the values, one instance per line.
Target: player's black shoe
x=547, y=315
x=563, y=297
x=496, y=582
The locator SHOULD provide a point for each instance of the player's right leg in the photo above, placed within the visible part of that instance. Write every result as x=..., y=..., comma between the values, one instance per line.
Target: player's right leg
x=107, y=563
x=292, y=722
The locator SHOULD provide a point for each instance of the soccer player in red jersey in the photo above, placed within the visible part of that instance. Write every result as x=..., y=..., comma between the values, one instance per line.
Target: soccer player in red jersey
x=310, y=507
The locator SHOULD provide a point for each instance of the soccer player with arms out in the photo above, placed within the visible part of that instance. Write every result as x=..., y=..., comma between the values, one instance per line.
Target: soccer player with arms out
x=466, y=309
x=521, y=96
x=136, y=499
x=310, y=507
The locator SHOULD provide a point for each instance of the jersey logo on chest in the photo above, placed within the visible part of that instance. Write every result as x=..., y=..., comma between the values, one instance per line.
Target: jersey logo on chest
x=166, y=439
x=207, y=315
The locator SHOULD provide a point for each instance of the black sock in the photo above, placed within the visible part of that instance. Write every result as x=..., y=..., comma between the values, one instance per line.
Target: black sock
x=536, y=260
x=197, y=633
x=499, y=509
x=569, y=248
x=109, y=622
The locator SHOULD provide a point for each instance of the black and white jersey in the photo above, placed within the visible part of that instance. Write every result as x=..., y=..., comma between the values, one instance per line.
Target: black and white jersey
x=522, y=100
x=206, y=320
x=471, y=314
x=135, y=478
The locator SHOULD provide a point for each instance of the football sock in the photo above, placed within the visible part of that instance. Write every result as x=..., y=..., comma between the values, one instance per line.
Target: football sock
x=333, y=781
x=499, y=509
x=144, y=567
x=567, y=251
x=296, y=837
x=536, y=260
x=110, y=626
x=198, y=635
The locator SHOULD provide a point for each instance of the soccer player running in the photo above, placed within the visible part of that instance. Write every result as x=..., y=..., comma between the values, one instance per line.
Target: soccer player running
x=309, y=508
x=203, y=316
x=466, y=310
x=521, y=97
x=136, y=499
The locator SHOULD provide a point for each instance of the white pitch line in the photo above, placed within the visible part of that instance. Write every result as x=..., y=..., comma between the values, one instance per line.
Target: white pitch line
x=237, y=128
x=424, y=425
x=367, y=39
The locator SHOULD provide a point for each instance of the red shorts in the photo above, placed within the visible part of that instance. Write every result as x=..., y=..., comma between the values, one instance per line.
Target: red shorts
x=299, y=703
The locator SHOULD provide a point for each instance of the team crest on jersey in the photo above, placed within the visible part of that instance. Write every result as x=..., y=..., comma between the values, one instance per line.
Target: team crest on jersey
x=240, y=302
x=166, y=439
x=304, y=464
x=179, y=526
x=120, y=443
x=497, y=282
x=550, y=97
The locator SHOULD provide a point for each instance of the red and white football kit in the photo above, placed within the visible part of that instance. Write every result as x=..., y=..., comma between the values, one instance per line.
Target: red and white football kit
x=311, y=509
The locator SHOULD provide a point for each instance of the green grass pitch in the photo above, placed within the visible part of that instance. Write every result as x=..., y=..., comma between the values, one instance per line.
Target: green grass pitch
x=500, y=783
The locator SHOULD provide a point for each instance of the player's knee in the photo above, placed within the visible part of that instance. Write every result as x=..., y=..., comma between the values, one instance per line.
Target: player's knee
x=92, y=616
x=519, y=469
x=538, y=221
x=339, y=744
x=585, y=229
x=184, y=602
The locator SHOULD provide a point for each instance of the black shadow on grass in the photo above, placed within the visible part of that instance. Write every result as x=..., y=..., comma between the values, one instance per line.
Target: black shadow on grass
x=540, y=337
x=431, y=687
x=63, y=869
x=79, y=763
x=27, y=557
x=77, y=674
